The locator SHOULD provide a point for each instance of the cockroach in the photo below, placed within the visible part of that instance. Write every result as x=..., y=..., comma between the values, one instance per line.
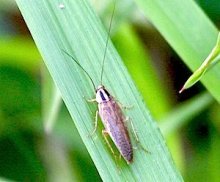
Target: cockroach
x=111, y=113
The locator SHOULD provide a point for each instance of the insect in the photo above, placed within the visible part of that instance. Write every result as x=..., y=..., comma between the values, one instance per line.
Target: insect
x=110, y=113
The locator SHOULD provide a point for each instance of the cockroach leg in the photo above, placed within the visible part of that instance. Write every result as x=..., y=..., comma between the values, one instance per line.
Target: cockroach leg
x=134, y=131
x=91, y=100
x=96, y=124
x=105, y=134
x=123, y=106
x=119, y=161
x=119, y=157
x=138, y=143
x=135, y=148
x=127, y=119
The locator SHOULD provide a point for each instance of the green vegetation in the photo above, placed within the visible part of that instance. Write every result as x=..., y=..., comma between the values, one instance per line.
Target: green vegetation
x=39, y=140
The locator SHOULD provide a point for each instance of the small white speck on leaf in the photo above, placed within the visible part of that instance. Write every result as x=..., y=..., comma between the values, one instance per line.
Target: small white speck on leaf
x=61, y=6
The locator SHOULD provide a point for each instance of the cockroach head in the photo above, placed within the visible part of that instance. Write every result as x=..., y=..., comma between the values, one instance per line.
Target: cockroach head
x=100, y=87
x=102, y=94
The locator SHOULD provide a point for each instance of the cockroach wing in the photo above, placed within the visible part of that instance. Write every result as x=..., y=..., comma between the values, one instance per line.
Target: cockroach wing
x=113, y=120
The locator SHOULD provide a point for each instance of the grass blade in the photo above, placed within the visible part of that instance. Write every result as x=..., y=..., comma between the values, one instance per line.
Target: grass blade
x=188, y=30
x=207, y=64
x=76, y=29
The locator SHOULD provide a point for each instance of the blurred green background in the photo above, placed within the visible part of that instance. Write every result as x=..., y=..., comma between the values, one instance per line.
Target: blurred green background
x=34, y=147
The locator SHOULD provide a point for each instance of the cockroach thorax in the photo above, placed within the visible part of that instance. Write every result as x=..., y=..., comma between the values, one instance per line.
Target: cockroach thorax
x=102, y=94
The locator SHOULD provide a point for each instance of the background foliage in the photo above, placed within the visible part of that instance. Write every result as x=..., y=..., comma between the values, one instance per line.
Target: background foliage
x=190, y=122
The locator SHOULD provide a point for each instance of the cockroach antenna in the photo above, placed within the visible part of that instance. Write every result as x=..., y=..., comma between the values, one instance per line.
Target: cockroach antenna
x=106, y=45
x=111, y=113
x=80, y=67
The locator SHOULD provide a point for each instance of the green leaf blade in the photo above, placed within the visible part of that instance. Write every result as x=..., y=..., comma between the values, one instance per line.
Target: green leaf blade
x=206, y=65
x=189, y=31
x=76, y=29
